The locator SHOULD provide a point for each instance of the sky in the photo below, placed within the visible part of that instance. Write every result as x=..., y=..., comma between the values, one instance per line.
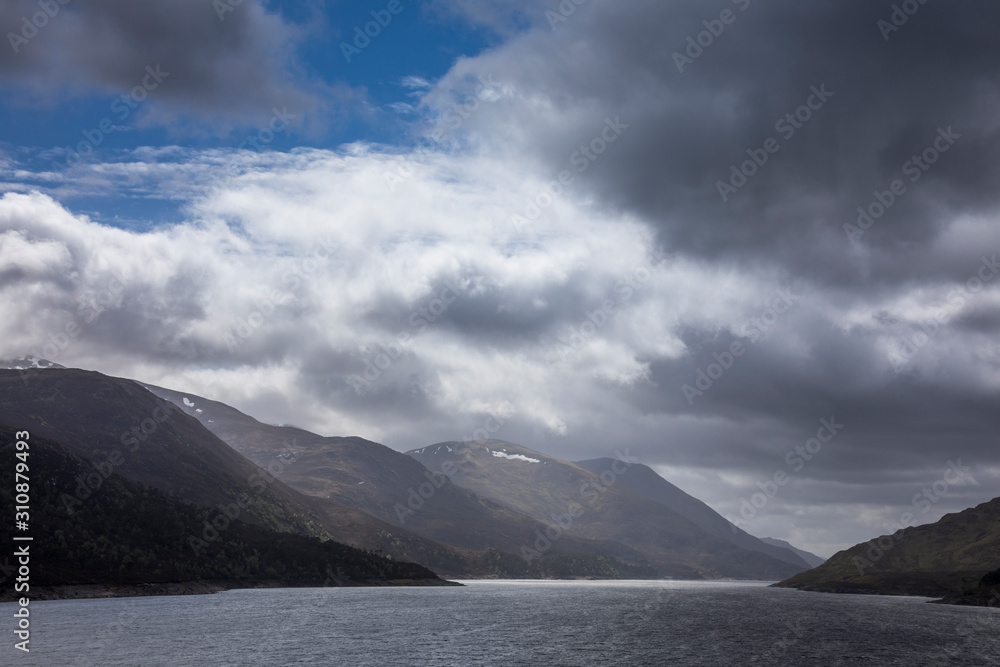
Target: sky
x=752, y=244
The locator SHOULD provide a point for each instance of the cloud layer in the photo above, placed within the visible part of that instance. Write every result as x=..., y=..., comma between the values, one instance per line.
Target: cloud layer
x=560, y=255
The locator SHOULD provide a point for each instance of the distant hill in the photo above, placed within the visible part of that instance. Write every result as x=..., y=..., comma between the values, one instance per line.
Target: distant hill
x=946, y=558
x=644, y=481
x=605, y=508
x=400, y=491
x=128, y=535
x=812, y=559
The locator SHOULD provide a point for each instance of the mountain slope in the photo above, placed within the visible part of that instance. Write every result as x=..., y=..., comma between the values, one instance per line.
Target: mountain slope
x=387, y=484
x=644, y=481
x=123, y=429
x=577, y=501
x=810, y=558
x=129, y=535
x=943, y=558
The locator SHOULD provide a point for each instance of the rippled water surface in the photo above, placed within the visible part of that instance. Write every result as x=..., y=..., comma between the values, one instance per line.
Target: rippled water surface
x=510, y=623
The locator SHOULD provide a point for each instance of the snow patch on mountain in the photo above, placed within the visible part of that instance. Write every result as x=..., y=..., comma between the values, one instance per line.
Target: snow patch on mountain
x=515, y=457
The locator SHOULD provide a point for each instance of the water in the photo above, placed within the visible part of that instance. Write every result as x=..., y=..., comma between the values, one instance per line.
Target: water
x=509, y=623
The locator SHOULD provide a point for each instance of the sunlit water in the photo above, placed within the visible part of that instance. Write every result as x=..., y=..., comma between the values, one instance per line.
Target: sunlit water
x=509, y=623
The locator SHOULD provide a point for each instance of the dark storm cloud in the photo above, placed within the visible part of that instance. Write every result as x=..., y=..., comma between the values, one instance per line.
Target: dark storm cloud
x=889, y=101
x=382, y=379
x=225, y=60
x=480, y=309
x=873, y=88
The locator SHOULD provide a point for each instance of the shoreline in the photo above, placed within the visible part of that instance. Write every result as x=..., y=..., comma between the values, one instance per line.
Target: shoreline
x=934, y=598
x=99, y=591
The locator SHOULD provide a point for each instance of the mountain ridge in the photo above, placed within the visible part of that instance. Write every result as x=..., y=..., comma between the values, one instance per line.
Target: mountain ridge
x=577, y=501
x=387, y=484
x=117, y=425
x=644, y=481
x=810, y=558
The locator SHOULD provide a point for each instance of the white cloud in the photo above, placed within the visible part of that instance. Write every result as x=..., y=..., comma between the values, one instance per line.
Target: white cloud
x=340, y=264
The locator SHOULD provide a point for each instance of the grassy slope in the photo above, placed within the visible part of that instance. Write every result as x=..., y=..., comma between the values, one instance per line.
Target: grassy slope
x=939, y=559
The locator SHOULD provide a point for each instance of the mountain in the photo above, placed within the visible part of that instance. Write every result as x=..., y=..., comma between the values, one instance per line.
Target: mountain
x=135, y=539
x=644, y=481
x=122, y=429
x=810, y=558
x=598, y=505
x=946, y=558
x=400, y=491
x=368, y=496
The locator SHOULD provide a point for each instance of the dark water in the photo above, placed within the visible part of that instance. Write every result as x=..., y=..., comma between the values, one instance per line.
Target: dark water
x=510, y=623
